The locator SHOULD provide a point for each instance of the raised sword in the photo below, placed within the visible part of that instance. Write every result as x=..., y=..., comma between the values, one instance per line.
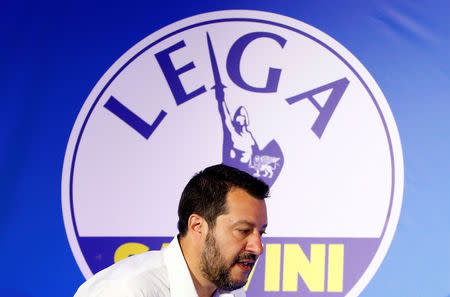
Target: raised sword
x=219, y=86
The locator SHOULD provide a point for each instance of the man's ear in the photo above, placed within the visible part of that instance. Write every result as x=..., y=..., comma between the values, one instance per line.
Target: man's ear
x=197, y=225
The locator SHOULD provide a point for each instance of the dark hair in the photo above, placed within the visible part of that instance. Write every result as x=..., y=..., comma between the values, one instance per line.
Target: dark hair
x=206, y=192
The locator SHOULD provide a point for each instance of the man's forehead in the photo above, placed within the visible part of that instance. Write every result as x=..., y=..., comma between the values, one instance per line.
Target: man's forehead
x=238, y=194
x=248, y=223
x=244, y=208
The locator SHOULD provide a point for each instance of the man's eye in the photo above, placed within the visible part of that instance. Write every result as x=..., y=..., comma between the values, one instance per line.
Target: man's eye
x=245, y=231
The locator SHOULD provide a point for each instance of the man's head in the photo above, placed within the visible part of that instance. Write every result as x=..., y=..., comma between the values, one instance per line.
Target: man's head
x=231, y=205
x=206, y=193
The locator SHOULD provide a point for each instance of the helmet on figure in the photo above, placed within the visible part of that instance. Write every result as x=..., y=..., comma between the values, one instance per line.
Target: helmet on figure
x=240, y=119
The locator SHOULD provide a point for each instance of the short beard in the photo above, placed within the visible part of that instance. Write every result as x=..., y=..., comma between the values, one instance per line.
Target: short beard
x=215, y=269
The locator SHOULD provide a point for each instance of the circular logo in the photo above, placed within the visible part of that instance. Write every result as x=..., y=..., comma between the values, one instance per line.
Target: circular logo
x=261, y=92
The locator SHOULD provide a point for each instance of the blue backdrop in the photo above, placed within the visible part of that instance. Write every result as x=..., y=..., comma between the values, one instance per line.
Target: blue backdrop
x=52, y=54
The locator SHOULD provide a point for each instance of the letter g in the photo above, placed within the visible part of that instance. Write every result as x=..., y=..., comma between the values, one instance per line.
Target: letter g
x=234, y=61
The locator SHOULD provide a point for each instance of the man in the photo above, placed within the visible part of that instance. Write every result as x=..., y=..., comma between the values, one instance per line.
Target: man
x=222, y=216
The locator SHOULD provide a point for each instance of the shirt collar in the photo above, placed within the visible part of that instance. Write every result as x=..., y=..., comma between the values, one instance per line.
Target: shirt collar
x=180, y=280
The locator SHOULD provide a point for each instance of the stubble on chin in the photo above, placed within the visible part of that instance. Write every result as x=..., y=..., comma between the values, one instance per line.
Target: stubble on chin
x=215, y=269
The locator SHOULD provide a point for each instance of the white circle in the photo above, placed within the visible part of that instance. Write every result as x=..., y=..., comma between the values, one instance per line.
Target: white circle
x=346, y=184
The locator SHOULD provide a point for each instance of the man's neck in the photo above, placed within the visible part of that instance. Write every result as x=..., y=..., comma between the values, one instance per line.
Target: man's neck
x=192, y=256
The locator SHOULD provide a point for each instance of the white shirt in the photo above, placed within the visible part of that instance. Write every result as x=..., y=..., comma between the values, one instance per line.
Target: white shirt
x=151, y=274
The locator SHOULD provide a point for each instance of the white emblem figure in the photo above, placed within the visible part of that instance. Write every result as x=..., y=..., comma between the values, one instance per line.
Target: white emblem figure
x=240, y=149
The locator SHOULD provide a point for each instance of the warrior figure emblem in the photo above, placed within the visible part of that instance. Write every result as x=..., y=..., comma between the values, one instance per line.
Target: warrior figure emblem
x=240, y=148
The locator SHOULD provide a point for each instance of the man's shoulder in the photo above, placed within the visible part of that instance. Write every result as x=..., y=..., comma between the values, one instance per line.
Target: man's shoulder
x=139, y=275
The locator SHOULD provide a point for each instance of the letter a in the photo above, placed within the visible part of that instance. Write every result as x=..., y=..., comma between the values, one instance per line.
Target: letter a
x=338, y=88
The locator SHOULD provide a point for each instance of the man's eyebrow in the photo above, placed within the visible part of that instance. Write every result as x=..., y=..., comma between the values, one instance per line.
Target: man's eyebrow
x=248, y=223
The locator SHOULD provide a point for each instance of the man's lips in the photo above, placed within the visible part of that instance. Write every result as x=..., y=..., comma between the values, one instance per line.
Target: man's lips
x=246, y=264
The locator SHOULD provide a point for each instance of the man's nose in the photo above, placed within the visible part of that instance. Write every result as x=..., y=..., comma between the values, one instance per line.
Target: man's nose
x=254, y=244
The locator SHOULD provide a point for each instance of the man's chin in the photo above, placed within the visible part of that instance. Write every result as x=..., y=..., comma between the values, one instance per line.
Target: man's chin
x=239, y=276
x=233, y=286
